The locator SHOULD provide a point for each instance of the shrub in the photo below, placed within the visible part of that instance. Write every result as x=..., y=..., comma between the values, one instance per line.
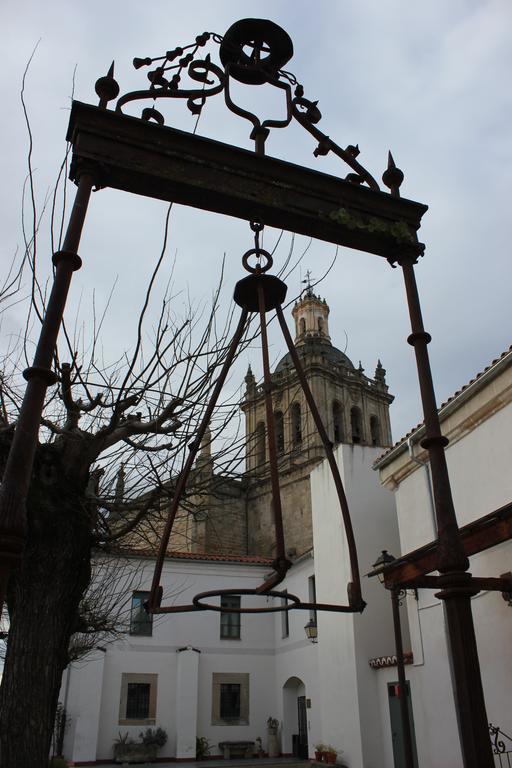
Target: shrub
x=152, y=736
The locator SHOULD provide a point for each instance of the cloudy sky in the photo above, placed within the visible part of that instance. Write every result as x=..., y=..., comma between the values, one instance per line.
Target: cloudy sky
x=430, y=81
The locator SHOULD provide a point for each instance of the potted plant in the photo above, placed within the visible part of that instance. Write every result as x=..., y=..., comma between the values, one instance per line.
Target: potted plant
x=203, y=747
x=272, y=725
x=58, y=762
x=273, y=744
x=126, y=750
x=319, y=751
x=258, y=747
x=330, y=754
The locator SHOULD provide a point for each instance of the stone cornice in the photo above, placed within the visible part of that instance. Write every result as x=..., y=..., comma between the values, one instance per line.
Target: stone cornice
x=487, y=394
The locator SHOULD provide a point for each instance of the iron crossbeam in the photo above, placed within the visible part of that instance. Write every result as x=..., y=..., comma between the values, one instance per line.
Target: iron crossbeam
x=477, y=536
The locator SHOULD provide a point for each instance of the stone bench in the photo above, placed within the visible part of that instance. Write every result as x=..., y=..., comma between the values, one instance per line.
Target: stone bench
x=237, y=749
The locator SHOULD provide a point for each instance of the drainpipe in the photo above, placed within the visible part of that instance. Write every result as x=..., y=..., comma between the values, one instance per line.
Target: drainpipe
x=426, y=466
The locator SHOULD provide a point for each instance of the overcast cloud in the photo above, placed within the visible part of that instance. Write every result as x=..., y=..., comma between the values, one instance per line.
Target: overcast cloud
x=430, y=81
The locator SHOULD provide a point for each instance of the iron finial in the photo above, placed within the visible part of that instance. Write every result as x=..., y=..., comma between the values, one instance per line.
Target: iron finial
x=107, y=88
x=393, y=176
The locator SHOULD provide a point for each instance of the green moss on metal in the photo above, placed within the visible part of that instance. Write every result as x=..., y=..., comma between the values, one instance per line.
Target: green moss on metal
x=397, y=230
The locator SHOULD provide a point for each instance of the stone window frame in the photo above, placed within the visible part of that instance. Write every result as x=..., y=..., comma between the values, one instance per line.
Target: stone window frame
x=236, y=678
x=137, y=677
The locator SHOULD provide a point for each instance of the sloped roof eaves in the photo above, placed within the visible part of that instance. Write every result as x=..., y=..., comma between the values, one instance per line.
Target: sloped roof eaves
x=476, y=383
x=202, y=557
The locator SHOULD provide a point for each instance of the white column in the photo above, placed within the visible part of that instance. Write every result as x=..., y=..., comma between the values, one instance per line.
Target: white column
x=186, y=702
x=81, y=695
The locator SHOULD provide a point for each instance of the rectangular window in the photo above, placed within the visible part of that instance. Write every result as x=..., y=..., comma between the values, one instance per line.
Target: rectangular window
x=141, y=623
x=230, y=701
x=230, y=698
x=285, y=625
x=137, y=704
x=137, y=701
x=230, y=622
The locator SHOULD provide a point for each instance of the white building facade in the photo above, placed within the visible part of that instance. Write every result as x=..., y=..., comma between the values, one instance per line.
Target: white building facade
x=478, y=423
x=174, y=674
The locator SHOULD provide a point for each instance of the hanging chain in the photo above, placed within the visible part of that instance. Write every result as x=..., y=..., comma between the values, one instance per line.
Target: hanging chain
x=258, y=251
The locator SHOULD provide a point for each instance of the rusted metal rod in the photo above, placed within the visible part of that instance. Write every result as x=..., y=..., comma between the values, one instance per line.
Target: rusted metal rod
x=452, y=563
x=354, y=587
x=18, y=469
x=153, y=603
x=271, y=436
x=402, y=682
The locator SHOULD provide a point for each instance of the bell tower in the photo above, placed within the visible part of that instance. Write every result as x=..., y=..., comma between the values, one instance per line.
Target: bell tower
x=311, y=315
x=354, y=409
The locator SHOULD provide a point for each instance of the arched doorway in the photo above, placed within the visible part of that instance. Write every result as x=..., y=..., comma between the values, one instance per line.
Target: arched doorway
x=295, y=724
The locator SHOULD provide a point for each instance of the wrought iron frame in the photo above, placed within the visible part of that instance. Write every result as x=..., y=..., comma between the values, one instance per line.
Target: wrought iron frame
x=366, y=218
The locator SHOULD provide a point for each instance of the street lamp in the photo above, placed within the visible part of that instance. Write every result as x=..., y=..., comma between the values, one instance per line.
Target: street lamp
x=311, y=630
x=379, y=566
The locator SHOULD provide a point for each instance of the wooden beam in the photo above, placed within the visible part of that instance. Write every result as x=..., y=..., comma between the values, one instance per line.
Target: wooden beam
x=161, y=162
x=481, y=534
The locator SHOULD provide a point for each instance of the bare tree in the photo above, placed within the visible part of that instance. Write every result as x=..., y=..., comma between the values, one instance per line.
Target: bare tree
x=112, y=440
x=138, y=412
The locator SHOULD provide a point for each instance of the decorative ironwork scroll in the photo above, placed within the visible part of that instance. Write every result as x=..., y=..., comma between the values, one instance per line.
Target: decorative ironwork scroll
x=252, y=52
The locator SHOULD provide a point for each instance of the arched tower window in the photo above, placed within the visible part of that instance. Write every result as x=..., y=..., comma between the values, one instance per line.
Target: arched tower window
x=296, y=424
x=279, y=422
x=374, y=430
x=320, y=324
x=356, y=425
x=337, y=426
x=259, y=442
x=302, y=325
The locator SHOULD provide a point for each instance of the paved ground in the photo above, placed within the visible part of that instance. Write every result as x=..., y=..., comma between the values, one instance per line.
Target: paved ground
x=265, y=762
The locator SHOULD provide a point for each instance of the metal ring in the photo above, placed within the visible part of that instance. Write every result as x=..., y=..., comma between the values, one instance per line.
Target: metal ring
x=268, y=609
x=257, y=270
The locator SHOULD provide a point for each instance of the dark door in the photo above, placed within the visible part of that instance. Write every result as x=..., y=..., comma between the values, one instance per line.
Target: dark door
x=303, y=751
x=394, y=693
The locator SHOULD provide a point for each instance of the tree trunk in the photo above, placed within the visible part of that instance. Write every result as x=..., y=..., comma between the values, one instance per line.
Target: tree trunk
x=43, y=601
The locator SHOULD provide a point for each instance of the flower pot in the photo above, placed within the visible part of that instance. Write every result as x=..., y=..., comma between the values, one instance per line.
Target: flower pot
x=318, y=756
x=330, y=757
x=135, y=753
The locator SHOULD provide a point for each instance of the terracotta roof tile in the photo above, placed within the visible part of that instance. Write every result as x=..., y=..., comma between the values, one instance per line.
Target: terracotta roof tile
x=202, y=556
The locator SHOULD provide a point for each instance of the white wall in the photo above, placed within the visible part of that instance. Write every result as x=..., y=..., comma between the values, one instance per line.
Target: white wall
x=479, y=465
x=96, y=701
x=350, y=714
x=297, y=657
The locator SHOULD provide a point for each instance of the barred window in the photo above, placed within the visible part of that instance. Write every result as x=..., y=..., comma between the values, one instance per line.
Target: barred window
x=137, y=701
x=137, y=705
x=230, y=701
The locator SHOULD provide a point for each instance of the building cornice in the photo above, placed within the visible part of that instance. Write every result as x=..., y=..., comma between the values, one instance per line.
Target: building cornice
x=477, y=401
